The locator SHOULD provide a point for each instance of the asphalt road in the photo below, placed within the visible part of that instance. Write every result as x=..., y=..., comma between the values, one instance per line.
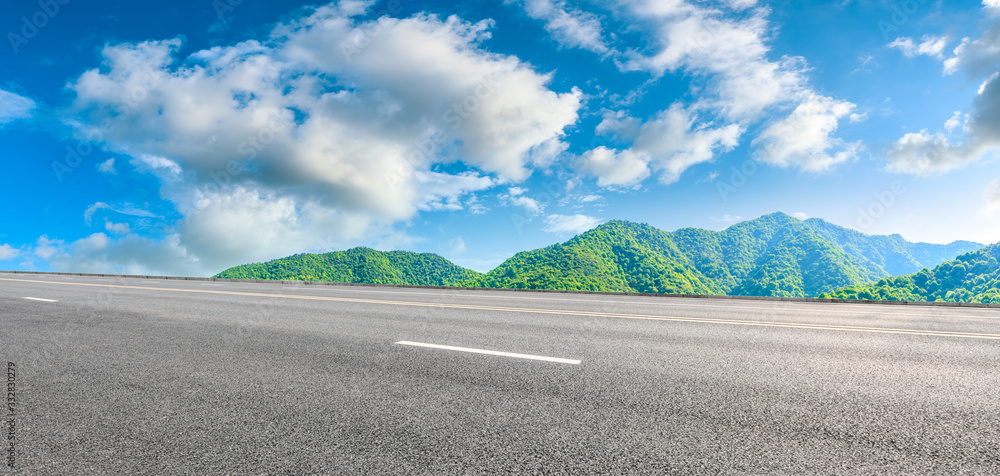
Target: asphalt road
x=133, y=376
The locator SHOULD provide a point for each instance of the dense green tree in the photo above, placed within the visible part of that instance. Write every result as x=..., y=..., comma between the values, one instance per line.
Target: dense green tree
x=616, y=256
x=774, y=255
x=358, y=265
x=972, y=277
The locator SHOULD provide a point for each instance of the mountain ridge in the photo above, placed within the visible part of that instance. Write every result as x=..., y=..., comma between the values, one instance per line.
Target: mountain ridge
x=773, y=255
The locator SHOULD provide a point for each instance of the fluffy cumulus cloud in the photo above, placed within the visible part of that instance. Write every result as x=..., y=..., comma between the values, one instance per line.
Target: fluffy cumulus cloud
x=668, y=144
x=978, y=56
x=331, y=128
x=615, y=168
x=966, y=138
x=8, y=252
x=571, y=27
x=515, y=196
x=570, y=224
x=729, y=52
x=13, y=106
x=804, y=138
x=727, y=57
x=107, y=167
x=993, y=197
x=929, y=45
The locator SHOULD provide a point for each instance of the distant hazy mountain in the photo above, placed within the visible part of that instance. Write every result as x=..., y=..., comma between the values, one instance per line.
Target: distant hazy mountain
x=774, y=255
x=890, y=255
x=972, y=277
x=358, y=265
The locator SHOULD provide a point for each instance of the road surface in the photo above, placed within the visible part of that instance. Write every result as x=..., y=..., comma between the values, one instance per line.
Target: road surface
x=145, y=376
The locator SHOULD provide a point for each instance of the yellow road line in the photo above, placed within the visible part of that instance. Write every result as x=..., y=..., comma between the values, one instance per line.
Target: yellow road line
x=700, y=320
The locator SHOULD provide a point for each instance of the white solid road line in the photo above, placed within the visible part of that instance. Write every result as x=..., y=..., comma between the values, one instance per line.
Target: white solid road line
x=492, y=352
x=40, y=299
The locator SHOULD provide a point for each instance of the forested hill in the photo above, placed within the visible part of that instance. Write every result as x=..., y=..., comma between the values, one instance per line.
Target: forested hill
x=774, y=255
x=358, y=265
x=616, y=256
x=890, y=255
x=972, y=277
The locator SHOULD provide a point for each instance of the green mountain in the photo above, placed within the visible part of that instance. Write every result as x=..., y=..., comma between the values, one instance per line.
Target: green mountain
x=616, y=256
x=891, y=255
x=774, y=255
x=358, y=265
x=972, y=277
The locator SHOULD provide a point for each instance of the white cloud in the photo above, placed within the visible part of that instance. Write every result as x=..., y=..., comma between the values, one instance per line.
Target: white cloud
x=8, y=252
x=571, y=27
x=246, y=225
x=619, y=125
x=439, y=191
x=107, y=167
x=124, y=209
x=741, y=4
x=921, y=153
x=729, y=53
x=925, y=153
x=160, y=166
x=970, y=137
x=991, y=4
x=979, y=56
x=117, y=228
x=982, y=87
x=955, y=122
x=804, y=138
x=992, y=197
x=675, y=141
x=727, y=57
x=708, y=178
x=613, y=168
x=46, y=247
x=515, y=196
x=458, y=246
x=727, y=219
x=13, y=106
x=668, y=144
x=330, y=128
x=570, y=224
x=800, y=216
x=129, y=255
x=929, y=45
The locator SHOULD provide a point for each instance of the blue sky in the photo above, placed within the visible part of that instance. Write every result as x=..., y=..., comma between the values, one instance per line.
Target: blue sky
x=187, y=137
